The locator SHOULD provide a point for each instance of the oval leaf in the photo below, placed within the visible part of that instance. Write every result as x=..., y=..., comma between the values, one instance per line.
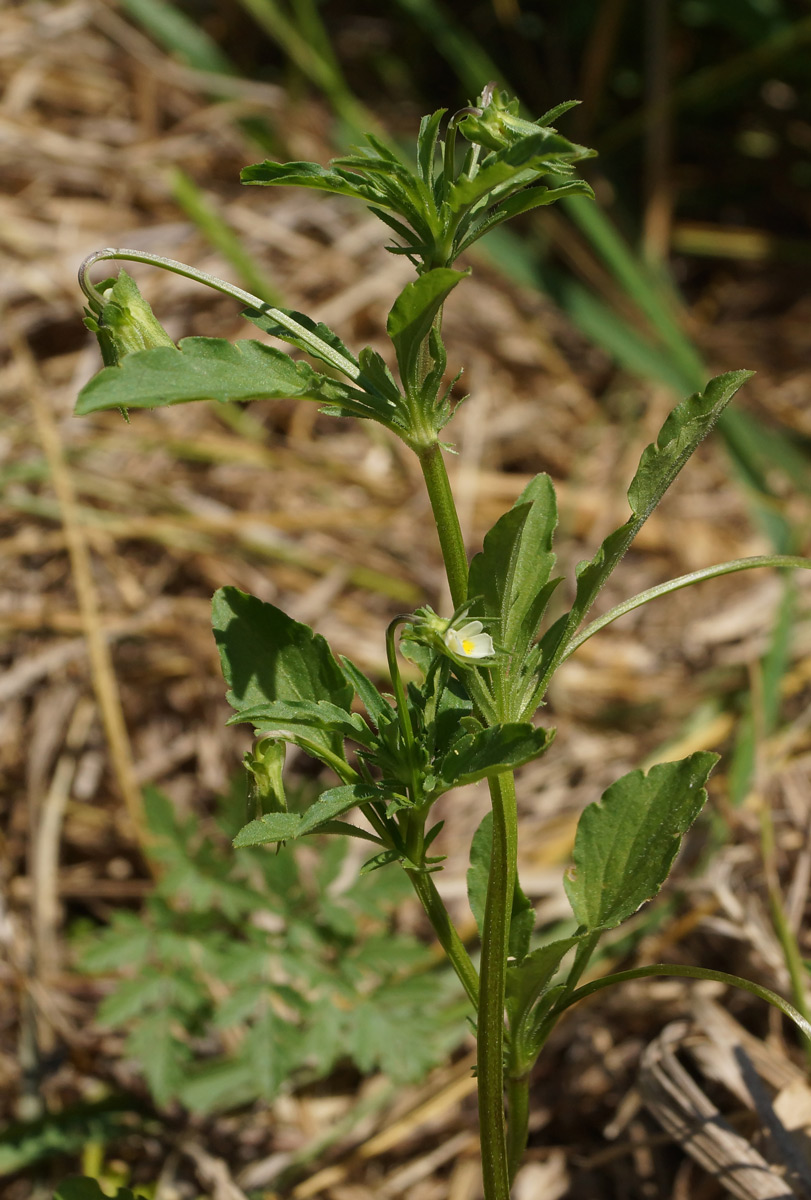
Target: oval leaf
x=625, y=845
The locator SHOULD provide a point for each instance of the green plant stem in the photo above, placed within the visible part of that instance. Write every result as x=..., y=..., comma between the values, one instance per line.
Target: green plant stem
x=495, y=948
x=685, y=972
x=446, y=933
x=518, y=1122
x=782, y=927
x=447, y=520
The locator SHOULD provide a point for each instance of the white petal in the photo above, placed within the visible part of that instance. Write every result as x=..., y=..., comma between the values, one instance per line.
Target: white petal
x=470, y=629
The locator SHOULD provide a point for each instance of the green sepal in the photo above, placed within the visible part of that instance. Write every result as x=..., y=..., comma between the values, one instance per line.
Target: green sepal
x=124, y=323
x=625, y=844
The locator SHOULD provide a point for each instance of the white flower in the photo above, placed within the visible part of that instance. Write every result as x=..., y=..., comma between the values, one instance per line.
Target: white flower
x=469, y=641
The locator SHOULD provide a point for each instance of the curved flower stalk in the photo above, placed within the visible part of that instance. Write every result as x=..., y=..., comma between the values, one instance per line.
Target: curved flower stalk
x=483, y=673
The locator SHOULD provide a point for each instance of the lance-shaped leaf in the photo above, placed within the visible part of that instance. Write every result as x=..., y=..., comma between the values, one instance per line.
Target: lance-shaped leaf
x=212, y=369
x=522, y=915
x=511, y=573
x=682, y=432
x=511, y=168
x=412, y=316
x=312, y=175
x=528, y=979
x=268, y=657
x=321, y=331
x=282, y=827
x=426, y=145
x=625, y=844
x=498, y=748
x=523, y=201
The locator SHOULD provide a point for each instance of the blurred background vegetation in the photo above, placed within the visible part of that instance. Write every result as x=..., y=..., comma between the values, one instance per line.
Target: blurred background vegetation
x=127, y=123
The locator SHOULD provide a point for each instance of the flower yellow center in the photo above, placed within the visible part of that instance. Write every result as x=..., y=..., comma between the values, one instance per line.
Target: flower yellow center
x=467, y=646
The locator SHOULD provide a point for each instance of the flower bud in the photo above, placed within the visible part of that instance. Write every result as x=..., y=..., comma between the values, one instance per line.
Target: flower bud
x=124, y=322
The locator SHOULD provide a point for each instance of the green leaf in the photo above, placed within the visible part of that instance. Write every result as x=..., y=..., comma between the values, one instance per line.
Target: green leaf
x=510, y=168
x=280, y=827
x=522, y=916
x=79, y=1187
x=426, y=145
x=211, y=369
x=512, y=572
x=498, y=748
x=379, y=710
x=523, y=201
x=625, y=844
x=412, y=316
x=312, y=175
x=162, y=1057
x=65, y=1132
x=682, y=432
x=316, y=715
x=266, y=656
x=529, y=979
x=272, y=327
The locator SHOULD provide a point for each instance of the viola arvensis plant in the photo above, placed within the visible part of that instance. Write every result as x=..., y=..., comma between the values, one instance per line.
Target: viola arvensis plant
x=484, y=672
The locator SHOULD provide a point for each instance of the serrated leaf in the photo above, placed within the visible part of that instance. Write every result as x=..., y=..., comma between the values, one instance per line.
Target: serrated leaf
x=281, y=827
x=522, y=915
x=498, y=748
x=271, y=326
x=316, y=715
x=266, y=656
x=512, y=572
x=264, y=1052
x=209, y=369
x=312, y=175
x=162, y=1057
x=683, y=431
x=412, y=316
x=273, y=827
x=625, y=844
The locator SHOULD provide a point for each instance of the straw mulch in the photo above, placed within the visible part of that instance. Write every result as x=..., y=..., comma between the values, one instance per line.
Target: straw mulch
x=113, y=538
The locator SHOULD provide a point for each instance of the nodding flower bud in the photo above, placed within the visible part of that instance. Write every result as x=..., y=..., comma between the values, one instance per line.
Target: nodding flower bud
x=122, y=320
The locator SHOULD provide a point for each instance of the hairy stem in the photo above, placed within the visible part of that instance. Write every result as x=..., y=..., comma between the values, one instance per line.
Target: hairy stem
x=447, y=520
x=446, y=932
x=495, y=947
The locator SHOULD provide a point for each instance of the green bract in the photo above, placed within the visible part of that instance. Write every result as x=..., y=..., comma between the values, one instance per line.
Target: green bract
x=122, y=320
